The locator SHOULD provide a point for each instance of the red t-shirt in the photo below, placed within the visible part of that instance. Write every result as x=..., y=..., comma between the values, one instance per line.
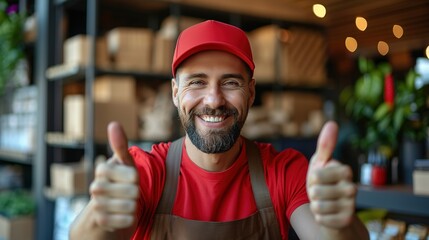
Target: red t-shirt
x=220, y=196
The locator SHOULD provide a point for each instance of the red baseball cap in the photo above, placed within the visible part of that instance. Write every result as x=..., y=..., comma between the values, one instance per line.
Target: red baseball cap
x=212, y=35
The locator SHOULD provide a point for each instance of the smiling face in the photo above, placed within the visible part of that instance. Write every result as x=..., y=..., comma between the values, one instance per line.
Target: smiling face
x=213, y=92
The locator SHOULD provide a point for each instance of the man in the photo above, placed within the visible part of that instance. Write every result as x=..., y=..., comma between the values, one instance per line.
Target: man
x=216, y=184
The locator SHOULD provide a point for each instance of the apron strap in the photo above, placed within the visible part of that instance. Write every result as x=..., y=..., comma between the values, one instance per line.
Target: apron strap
x=256, y=170
x=257, y=178
x=172, y=166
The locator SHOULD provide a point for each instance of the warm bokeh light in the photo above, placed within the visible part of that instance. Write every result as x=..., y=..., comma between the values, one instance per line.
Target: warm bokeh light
x=383, y=48
x=319, y=10
x=351, y=44
x=398, y=31
x=427, y=51
x=361, y=23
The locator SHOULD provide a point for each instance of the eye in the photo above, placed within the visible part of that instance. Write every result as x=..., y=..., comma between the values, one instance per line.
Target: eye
x=196, y=82
x=231, y=83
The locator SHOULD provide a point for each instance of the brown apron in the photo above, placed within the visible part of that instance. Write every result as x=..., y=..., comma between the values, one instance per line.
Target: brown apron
x=261, y=225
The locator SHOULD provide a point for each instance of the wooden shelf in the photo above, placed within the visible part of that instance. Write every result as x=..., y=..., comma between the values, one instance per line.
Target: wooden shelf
x=76, y=72
x=394, y=198
x=16, y=157
x=59, y=139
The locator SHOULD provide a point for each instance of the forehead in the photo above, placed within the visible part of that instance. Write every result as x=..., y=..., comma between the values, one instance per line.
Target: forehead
x=209, y=60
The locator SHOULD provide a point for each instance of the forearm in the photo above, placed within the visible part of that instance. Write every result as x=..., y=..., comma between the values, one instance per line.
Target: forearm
x=85, y=227
x=356, y=230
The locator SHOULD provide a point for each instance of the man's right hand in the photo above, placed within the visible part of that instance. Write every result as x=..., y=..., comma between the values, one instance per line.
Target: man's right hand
x=114, y=190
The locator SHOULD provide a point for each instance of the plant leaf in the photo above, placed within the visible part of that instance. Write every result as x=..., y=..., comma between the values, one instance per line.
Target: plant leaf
x=381, y=111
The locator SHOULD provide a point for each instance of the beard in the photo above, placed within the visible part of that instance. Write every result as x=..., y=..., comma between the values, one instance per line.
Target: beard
x=214, y=140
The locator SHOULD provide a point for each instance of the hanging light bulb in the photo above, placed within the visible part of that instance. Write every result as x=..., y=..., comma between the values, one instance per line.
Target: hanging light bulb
x=319, y=10
x=398, y=31
x=361, y=23
x=351, y=44
x=383, y=48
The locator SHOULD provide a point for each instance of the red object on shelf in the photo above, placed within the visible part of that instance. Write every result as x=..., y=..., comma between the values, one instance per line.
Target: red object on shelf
x=389, y=91
x=378, y=176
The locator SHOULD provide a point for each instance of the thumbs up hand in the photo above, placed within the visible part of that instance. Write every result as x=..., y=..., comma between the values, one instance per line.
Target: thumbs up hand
x=329, y=183
x=114, y=190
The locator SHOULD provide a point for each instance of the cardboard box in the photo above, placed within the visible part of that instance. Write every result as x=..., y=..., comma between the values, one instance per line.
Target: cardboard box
x=173, y=25
x=139, y=61
x=124, y=113
x=30, y=28
x=294, y=56
x=420, y=182
x=104, y=113
x=17, y=228
x=299, y=110
x=114, y=89
x=298, y=105
x=130, y=49
x=76, y=51
x=163, y=53
x=68, y=178
x=165, y=40
x=131, y=40
x=74, y=116
x=264, y=42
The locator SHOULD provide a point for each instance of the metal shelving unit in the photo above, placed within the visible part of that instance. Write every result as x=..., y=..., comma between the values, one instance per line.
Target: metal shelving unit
x=394, y=198
x=16, y=157
x=50, y=82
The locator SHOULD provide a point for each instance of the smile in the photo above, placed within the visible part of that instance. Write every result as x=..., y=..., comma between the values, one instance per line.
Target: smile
x=212, y=119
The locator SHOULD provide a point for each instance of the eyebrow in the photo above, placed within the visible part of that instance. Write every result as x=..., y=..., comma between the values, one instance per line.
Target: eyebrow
x=224, y=76
x=197, y=75
x=233, y=75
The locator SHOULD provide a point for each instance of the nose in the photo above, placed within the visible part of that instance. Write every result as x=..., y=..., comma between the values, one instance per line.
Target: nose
x=214, y=97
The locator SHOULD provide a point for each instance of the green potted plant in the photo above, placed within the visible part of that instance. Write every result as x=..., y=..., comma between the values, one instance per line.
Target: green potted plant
x=17, y=208
x=11, y=41
x=365, y=105
x=14, y=203
x=385, y=111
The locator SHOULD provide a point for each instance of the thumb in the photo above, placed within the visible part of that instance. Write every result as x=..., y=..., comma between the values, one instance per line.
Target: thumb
x=325, y=144
x=119, y=143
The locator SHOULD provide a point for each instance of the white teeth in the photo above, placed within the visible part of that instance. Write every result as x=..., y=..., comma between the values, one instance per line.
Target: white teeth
x=213, y=119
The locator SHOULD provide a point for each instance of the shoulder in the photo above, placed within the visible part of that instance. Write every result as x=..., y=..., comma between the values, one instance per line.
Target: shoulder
x=281, y=166
x=155, y=157
x=158, y=150
x=286, y=156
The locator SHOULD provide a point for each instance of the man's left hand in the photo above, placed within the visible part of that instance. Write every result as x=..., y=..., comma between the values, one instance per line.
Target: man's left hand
x=329, y=183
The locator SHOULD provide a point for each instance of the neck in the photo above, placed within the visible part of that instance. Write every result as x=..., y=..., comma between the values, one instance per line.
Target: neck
x=215, y=162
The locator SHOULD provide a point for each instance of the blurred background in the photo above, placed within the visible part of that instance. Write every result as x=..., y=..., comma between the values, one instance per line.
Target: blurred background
x=68, y=67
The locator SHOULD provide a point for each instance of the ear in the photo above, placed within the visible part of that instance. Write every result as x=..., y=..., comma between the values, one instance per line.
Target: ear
x=174, y=90
x=252, y=91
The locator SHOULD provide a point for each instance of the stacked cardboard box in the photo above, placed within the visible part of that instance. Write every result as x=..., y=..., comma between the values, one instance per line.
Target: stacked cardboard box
x=114, y=100
x=130, y=49
x=76, y=51
x=127, y=49
x=165, y=40
x=156, y=111
x=285, y=114
x=17, y=228
x=68, y=178
x=293, y=56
